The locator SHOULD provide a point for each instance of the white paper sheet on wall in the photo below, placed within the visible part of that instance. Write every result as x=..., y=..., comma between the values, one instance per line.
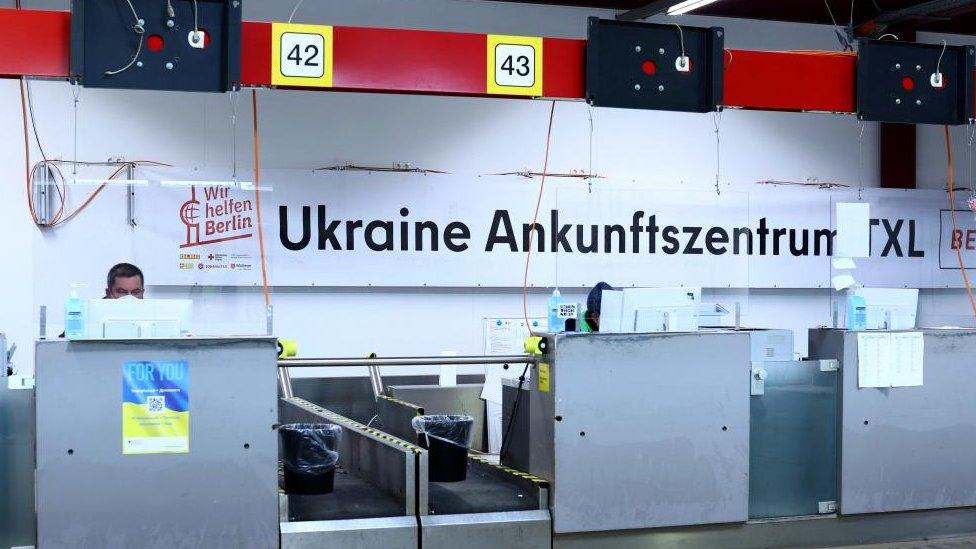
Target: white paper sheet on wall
x=844, y=263
x=886, y=359
x=853, y=221
x=843, y=281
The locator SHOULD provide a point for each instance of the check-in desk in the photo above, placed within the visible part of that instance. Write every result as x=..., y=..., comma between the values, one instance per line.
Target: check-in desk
x=641, y=431
x=220, y=492
x=906, y=448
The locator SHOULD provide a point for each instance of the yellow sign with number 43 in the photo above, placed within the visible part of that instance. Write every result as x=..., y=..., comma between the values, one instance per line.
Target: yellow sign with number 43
x=514, y=65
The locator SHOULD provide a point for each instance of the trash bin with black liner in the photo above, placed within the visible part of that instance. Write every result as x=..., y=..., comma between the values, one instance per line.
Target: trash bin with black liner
x=309, y=455
x=447, y=438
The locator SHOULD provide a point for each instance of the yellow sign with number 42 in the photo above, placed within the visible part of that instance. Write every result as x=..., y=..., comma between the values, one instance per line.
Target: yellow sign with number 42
x=301, y=55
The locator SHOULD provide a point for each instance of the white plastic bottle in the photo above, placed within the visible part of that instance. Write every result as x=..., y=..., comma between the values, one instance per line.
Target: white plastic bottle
x=556, y=324
x=74, y=315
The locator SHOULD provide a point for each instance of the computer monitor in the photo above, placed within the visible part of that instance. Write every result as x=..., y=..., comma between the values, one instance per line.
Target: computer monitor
x=889, y=308
x=637, y=310
x=130, y=318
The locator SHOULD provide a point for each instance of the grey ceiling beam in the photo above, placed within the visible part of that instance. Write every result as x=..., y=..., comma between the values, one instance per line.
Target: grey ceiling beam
x=926, y=10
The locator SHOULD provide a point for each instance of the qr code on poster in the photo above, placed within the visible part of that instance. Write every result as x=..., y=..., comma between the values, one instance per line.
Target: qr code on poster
x=155, y=404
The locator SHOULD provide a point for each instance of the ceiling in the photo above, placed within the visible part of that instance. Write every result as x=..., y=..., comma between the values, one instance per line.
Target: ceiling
x=951, y=16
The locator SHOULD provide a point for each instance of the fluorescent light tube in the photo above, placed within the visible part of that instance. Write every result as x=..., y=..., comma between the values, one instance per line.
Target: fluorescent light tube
x=688, y=5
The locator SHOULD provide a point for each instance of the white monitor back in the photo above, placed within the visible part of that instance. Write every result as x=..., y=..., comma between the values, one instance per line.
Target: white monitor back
x=890, y=308
x=635, y=310
x=130, y=318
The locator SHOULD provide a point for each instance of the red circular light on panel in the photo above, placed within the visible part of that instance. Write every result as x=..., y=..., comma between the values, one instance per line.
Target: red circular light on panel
x=649, y=67
x=907, y=83
x=154, y=42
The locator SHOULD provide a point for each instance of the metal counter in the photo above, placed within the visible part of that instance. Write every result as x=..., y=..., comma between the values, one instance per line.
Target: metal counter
x=642, y=430
x=222, y=493
x=906, y=448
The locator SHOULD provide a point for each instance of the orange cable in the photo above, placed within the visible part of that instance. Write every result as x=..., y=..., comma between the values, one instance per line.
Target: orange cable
x=951, y=183
x=535, y=218
x=90, y=198
x=257, y=196
x=29, y=176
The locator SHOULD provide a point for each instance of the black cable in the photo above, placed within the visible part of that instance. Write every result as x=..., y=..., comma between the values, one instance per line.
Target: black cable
x=511, y=420
x=30, y=109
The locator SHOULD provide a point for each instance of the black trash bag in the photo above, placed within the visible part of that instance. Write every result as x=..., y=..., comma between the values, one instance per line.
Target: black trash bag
x=309, y=455
x=447, y=438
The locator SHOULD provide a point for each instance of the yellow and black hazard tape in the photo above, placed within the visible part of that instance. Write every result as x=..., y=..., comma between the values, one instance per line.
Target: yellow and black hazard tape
x=418, y=409
x=514, y=472
x=352, y=424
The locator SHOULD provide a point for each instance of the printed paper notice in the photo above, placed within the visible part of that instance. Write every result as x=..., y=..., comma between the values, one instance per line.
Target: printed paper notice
x=873, y=359
x=155, y=408
x=887, y=359
x=853, y=229
x=505, y=336
x=908, y=349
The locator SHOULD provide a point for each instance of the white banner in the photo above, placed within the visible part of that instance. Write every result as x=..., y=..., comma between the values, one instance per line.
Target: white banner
x=396, y=229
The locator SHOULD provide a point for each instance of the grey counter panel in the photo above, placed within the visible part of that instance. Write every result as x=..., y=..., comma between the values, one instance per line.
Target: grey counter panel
x=907, y=448
x=220, y=494
x=17, y=525
x=522, y=529
x=812, y=532
x=652, y=430
x=388, y=533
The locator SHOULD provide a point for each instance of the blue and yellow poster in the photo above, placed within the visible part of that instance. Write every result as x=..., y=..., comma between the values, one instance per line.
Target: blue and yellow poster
x=155, y=408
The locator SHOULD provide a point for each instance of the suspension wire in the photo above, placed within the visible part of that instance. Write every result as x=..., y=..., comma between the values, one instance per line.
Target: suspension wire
x=717, y=120
x=76, y=94
x=860, y=159
x=971, y=134
x=234, y=97
x=589, y=180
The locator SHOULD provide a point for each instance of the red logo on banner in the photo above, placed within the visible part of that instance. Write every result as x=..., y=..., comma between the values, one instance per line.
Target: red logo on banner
x=219, y=218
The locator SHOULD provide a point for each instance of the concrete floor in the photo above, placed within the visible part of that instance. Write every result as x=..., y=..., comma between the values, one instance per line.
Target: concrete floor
x=968, y=542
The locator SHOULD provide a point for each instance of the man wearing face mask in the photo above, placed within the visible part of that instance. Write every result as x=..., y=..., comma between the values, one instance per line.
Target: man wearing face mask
x=124, y=280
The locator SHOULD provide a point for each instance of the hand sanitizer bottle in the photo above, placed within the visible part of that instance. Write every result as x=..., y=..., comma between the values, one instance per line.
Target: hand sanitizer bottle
x=857, y=312
x=556, y=324
x=74, y=315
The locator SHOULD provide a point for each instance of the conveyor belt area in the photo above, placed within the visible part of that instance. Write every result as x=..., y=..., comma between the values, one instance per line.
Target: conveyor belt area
x=480, y=492
x=352, y=498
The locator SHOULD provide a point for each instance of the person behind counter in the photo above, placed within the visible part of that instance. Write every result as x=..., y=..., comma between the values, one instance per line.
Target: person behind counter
x=593, y=301
x=124, y=279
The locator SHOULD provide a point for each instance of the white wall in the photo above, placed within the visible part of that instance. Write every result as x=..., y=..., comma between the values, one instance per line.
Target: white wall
x=461, y=135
